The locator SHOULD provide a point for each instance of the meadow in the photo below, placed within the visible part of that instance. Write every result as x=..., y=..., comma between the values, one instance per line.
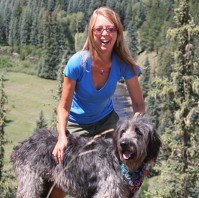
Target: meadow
x=27, y=96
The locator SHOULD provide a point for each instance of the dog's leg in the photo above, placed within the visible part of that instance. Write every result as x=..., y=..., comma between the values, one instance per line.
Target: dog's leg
x=30, y=185
x=114, y=188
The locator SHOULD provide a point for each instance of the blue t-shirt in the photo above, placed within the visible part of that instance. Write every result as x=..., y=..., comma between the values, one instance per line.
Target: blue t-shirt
x=89, y=104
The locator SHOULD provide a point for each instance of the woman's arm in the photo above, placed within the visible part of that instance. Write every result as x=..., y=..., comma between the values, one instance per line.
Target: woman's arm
x=136, y=96
x=63, y=111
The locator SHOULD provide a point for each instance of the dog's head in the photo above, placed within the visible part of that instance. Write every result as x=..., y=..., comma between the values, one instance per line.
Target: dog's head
x=136, y=142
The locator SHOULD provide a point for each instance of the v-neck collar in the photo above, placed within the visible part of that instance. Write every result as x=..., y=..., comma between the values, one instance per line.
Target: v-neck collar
x=108, y=79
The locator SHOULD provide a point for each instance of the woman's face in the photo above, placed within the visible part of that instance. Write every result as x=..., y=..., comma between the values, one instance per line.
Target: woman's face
x=105, y=34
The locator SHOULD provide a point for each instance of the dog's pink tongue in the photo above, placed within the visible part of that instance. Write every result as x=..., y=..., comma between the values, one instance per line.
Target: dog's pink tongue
x=127, y=155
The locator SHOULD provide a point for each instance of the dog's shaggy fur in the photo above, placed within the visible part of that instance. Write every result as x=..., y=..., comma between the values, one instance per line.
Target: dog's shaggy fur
x=90, y=166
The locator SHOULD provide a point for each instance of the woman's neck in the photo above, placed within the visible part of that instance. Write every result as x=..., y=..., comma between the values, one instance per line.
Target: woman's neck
x=104, y=59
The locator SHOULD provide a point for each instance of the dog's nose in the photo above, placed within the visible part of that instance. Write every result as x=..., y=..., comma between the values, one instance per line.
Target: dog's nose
x=124, y=144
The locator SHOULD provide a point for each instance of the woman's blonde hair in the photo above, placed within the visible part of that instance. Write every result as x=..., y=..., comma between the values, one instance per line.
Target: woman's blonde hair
x=120, y=47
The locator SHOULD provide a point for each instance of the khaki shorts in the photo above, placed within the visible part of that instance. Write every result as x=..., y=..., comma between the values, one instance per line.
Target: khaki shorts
x=107, y=123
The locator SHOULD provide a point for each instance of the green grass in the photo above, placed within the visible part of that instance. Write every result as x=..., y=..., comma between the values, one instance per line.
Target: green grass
x=10, y=64
x=26, y=62
x=27, y=96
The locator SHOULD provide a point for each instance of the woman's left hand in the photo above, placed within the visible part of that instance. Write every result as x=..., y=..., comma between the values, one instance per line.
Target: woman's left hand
x=138, y=114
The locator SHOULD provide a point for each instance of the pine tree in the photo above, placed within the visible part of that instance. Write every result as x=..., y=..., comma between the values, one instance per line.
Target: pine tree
x=51, y=5
x=128, y=14
x=72, y=6
x=41, y=123
x=151, y=31
x=149, y=92
x=14, y=34
x=179, y=169
x=3, y=101
x=141, y=14
x=25, y=27
x=2, y=31
x=63, y=4
x=34, y=40
x=6, y=17
x=145, y=78
x=40, y=30
x=49, y=66
x=187, y=113
x=132, y=39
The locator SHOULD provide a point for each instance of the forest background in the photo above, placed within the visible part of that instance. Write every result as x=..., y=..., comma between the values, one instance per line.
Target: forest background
x=38, y=37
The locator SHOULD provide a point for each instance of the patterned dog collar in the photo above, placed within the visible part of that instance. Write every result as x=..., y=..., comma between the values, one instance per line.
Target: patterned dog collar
x=135, y=178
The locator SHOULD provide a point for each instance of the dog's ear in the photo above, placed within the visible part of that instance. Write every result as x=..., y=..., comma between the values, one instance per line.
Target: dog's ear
x=154, y=145
x=115, y=137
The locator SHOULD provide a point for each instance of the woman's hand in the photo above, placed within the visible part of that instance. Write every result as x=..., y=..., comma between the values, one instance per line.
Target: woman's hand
x=63, y=110
x=58, y=151
x=138, y=114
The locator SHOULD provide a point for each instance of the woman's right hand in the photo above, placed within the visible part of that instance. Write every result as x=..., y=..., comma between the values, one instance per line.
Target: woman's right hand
x=63, y=111
x=58, y=151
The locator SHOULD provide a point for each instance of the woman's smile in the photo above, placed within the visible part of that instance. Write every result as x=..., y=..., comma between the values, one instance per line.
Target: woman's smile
x=105, y=34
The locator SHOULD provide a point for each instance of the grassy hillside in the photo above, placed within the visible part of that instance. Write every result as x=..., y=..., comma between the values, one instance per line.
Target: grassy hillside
x=27, y=96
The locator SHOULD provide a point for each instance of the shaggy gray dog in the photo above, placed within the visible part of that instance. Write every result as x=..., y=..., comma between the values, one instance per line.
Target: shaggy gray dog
x=91, y=167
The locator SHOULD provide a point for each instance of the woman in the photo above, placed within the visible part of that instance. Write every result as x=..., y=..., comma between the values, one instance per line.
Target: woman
x=90, y=80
